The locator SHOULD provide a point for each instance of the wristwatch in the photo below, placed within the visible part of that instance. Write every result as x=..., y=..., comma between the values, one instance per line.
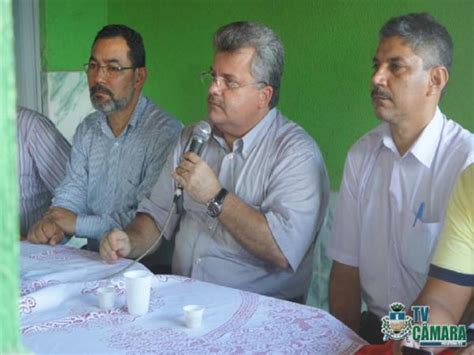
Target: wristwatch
x=214, y=206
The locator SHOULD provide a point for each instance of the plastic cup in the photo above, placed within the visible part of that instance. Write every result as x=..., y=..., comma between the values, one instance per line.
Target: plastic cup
x=137, y=286
x=193, y=315
x=106, y=297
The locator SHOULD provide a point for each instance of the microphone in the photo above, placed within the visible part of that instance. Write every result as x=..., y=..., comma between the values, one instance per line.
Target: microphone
x=201, y=134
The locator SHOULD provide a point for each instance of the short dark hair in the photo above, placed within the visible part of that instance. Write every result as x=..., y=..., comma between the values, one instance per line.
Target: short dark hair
x=267, y=62
x=134, y=40
x=428, y=38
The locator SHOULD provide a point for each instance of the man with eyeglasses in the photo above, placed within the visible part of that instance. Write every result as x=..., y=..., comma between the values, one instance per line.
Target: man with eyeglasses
x=118, y=151
x=256, y=198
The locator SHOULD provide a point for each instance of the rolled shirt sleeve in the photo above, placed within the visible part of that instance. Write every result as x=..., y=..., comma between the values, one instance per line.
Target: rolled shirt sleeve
x=297, y=198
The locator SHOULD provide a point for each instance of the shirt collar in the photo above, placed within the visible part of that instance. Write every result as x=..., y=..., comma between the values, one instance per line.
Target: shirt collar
x=256, y=134
x=424, y=147
x=138, y=111
x=387, y=138
x=245, y=144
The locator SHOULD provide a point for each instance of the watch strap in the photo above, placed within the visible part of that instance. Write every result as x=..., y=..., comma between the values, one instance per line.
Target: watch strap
x=220, y=196
x=214, y=206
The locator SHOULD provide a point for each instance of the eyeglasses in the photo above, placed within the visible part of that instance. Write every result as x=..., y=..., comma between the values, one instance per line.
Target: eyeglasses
x=208, y=78
x=110, y=70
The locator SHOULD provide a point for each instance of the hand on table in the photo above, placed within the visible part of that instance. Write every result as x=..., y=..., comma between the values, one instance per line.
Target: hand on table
x=64, y=218
x=45, y=231
x=115, y=244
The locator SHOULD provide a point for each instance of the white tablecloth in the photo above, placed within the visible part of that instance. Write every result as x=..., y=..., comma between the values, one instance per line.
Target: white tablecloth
x=59, y=314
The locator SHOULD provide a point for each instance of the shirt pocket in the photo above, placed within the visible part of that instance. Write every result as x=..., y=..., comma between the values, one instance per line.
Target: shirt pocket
x=418, y=242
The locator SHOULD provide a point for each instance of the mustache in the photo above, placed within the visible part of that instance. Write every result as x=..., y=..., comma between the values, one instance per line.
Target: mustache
x=378, y=92
x=213, y=100
x=100, y=89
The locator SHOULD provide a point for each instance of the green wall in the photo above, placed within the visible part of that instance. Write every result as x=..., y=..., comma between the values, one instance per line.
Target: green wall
x=9, y=231
x=67, y=30
x=329, y=48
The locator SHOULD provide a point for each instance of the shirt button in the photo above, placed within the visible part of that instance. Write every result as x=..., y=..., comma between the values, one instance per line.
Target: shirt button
x=210, y=227
x=198, y=261
x=230, y=156
x=116, y=144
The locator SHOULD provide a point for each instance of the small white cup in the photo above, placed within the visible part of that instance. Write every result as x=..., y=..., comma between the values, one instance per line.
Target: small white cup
x=137, y=285
x=193, y=315
x=106, y=297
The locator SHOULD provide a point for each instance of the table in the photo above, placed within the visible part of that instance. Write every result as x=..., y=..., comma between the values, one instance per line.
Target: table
x=60, y=314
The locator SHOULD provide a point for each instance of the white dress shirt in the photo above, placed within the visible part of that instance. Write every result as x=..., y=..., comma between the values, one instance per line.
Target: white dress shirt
x=376, y=227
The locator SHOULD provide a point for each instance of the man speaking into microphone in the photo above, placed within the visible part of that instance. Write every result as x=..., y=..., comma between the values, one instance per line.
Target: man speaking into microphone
x=255, y=199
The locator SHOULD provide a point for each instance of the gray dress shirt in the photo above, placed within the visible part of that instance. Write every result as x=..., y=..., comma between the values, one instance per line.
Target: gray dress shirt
x=107, y=175
x=277, y=169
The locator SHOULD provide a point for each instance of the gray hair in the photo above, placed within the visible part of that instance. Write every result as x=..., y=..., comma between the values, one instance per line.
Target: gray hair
x=267, y=62
x=428, y=38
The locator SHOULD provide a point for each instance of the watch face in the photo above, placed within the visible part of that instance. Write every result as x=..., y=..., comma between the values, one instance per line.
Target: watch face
x=213, y=209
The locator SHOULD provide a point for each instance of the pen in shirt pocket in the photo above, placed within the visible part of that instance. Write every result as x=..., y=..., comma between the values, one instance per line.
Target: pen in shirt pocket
x=419, y=214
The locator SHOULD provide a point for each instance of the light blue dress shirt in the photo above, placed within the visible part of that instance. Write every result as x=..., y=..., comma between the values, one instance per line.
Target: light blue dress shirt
x=107, y=175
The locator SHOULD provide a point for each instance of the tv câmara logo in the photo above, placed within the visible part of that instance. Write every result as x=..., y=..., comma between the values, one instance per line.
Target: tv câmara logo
x=397, y=325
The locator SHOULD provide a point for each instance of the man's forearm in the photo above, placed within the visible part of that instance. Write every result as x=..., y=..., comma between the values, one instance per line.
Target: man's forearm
x=250, y=228
x=142, y=232
x=447, y=300
x=344, y=295
x=64, y=218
